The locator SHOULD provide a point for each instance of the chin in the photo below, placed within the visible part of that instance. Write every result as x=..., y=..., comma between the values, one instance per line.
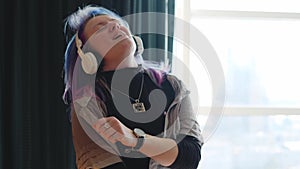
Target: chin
x=127, y=45
x=124, y=48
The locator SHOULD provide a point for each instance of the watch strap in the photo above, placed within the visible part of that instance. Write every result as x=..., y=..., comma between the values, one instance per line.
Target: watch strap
x=140, y=142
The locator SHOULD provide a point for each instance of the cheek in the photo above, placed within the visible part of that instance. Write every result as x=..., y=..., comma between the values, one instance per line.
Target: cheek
x=122, y=49
x=132, y=45
x=102, y=48
x=124, y=29
x=127, y=44
x=101, y=44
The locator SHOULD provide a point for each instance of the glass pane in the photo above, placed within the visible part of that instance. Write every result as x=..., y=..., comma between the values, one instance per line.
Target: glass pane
x=248, y=5
x=260, y=59
x=260, y=142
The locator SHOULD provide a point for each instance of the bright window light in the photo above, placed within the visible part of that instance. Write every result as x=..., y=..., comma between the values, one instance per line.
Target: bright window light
x=260, y=59
x=248, y=5
x=257, y=43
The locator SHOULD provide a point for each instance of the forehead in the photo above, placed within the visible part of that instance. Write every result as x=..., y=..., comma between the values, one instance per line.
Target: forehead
x=95, y=21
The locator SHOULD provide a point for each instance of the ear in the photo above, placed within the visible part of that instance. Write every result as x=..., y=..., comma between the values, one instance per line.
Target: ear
x=139, y=45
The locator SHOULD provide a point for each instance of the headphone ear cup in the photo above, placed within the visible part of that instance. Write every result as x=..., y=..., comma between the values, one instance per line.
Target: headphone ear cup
x=89, y=63
x=139, y=45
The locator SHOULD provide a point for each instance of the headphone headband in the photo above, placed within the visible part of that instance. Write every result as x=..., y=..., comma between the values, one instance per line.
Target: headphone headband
x=78, y=45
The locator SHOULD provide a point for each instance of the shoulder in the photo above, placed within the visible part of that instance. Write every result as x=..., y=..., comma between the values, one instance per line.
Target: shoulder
x=160, y=76
x=156, y=75
x=177, y=84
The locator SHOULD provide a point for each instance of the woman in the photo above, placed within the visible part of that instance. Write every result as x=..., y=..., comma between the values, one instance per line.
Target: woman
x=139, y=131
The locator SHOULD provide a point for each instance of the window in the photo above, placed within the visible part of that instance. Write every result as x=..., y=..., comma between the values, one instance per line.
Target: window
x=257, y=43
x=291, y=6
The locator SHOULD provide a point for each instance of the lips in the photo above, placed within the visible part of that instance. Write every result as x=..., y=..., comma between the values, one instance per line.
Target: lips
x=117, y=36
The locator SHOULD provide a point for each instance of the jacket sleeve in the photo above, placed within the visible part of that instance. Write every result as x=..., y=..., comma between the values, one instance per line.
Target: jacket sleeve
x=188, y=120
x=181, y=121
x=182, y=116
x=189, y=153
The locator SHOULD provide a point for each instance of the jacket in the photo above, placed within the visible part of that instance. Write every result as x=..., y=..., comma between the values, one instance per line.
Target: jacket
x=94, y=152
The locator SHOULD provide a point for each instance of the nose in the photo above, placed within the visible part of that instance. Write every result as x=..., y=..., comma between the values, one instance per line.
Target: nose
x=112, y=25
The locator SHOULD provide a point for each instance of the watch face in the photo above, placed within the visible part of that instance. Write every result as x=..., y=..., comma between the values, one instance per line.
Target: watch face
x=139, y=132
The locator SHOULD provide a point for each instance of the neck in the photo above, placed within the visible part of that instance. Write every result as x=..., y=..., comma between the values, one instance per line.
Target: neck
x=115, y=65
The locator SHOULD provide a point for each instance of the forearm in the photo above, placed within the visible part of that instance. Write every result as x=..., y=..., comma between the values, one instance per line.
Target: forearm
x=162, y=150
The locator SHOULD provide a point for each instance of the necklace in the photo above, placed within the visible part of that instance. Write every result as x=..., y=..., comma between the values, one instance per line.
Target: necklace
x=138, y=106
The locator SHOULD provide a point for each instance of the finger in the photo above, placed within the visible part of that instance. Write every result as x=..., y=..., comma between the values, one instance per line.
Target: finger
x=106, y=126
x=100, y=123
x=113, y=138
x=111, y=135
x=117, y=136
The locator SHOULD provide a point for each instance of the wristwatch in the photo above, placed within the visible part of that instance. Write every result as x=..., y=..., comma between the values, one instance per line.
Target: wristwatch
x=140, y=134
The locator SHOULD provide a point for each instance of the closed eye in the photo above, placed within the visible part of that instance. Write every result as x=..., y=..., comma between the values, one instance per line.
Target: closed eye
x=101, y=23
x=101, y=28
x=116, y=20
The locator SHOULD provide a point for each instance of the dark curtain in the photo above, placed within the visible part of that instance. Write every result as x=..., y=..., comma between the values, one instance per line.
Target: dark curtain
x=34, y=129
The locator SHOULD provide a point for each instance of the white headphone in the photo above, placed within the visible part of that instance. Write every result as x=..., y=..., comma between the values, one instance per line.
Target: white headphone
x=139, y=45
x=89, y=62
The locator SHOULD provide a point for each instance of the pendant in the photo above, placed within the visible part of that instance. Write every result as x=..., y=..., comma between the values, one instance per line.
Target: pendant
x=138, y=107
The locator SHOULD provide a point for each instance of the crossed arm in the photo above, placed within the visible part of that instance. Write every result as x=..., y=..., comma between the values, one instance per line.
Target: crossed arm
x=162, y=150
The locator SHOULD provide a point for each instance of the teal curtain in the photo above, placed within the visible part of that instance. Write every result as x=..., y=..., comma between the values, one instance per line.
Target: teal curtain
x=34, y=129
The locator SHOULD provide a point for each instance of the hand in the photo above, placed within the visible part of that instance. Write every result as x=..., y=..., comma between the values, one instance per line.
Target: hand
x=111, y=129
